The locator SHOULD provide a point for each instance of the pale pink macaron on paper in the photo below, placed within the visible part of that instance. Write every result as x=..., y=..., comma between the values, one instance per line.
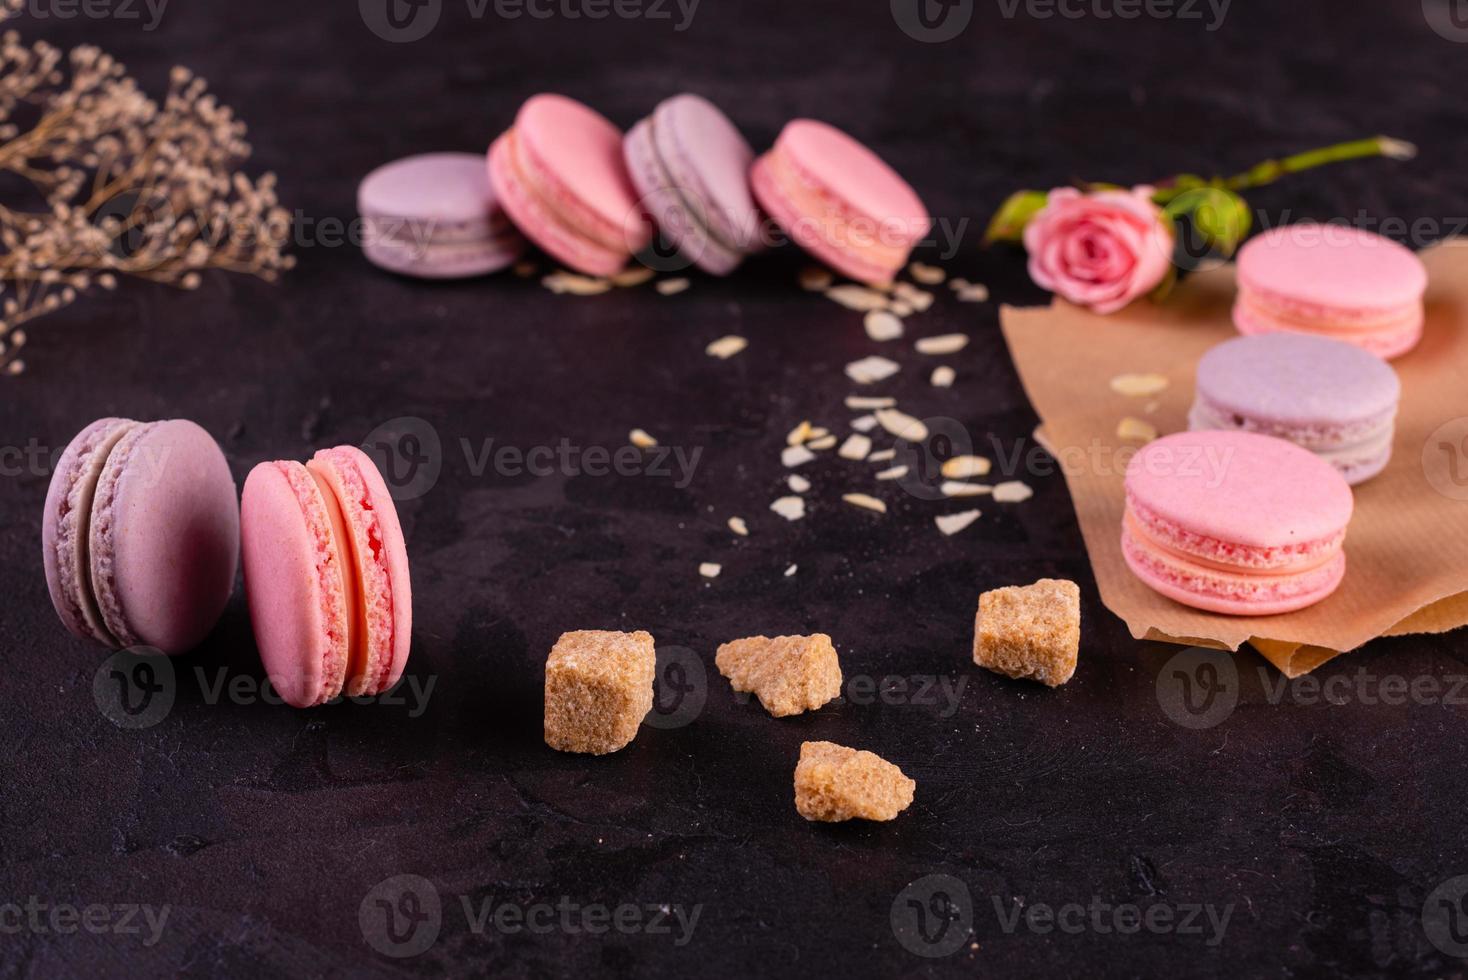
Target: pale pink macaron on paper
x=1335, y=281
x=140, y=535
x=691, y=166
x=839, y=201
x=559, y=174
x=326, y=573
x=1235, y=522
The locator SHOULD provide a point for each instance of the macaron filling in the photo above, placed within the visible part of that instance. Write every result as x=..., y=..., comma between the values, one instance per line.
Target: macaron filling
x=103, y=520
x=1192, y=581
x=1171, y=538
x=550, y=231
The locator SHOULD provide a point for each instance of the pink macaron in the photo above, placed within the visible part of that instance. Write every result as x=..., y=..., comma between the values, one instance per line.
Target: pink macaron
x=326, y=573
x=435, y=216
x=1334, y=281
x=691, y=166
x=140, y=536
x=560, y=175
x=1235, y=522
x=837, y=200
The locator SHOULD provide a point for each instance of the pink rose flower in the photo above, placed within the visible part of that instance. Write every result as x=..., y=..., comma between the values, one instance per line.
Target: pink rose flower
x=1100, y=250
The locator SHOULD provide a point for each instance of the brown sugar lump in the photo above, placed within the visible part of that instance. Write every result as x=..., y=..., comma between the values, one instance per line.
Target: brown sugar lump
x=833, y=782
x=598, y=688
x=1030, y=631
x=789, y=674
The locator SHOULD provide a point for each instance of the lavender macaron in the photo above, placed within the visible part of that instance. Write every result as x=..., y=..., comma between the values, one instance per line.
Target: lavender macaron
x=1328, y=396
x=691, y=167
x=435, y=216
x=141, y=534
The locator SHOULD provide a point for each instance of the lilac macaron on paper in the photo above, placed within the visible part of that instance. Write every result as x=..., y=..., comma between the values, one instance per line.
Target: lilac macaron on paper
x=1328, y=396
x=435, y=216
x=141, y=534
x=690, y=166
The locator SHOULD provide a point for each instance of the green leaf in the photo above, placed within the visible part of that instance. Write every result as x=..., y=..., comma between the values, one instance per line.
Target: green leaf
x=1008, y=223
x=1219, y=217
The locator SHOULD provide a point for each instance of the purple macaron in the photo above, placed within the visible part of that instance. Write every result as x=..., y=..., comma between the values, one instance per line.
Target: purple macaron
x=435, y=216
x=1330, y=397
x=691, y=167
x=141, y=534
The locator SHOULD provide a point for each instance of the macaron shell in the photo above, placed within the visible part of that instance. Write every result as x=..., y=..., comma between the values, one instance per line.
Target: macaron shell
x=707, y=159
x=578, y=152
x=681, y=220
x=1333, y=267
x=788, y=216
x=459, y=260
x=855, y=176
x=1242, y=489
x=66, y=524
x=1235, y=595
x=165, y=536
x=292, y=579
x=442, y=195
x=380, y=557
x=542, y=226
x=1387, y=342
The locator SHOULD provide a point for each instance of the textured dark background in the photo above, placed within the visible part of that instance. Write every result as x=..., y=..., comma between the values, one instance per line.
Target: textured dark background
x=1322, y=827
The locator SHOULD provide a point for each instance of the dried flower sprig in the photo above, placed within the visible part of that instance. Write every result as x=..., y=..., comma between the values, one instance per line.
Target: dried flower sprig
x=124, y=186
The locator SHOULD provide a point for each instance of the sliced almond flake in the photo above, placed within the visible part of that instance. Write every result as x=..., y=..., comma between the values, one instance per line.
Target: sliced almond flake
x=918, y=299
x=902, y=425
x=640, y=439
x=948, y=343
x=856, y=447
x=1135, y=430
x=790, y=508
x=901, y=307
x=942, y=376
x=815, y=279
x=737, y=525
x=865, y=500
x=974, y=293
x=861, y=403
x=957, y=283
x=562, y=281
x=790, y=571
x=894, y=473
x=631, y=276
x=857, y=297
x=928, y=275
x=963, y=467
x=958, y=488
x=864, y=423
x=669, y=287
x=1012, y=492
x=882, y=455
x=792, y=456
x=870, y=370
x=525, y=269
x=882, y=325
x=797, y=483
x=726, y=347
x=951, y=524
x=799, y=435
x=1138, y=385
x=822, y=443
x=817, y=432
x=710, y=569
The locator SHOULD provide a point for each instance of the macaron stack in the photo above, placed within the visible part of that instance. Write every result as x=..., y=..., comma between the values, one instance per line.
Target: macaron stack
x=1332, y=281
x=837, y=200
x=140, y=534
x=1235, y=522
x=571, y=183
x=326, y=573
x=560, y=175
x=435, y=216
x=690, y=165
x=1330, y=397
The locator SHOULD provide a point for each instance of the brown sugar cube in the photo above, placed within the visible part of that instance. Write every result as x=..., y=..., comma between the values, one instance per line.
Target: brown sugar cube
x=598, y=688
x=835, y=783
x=1031, y=631
x=789, y=674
